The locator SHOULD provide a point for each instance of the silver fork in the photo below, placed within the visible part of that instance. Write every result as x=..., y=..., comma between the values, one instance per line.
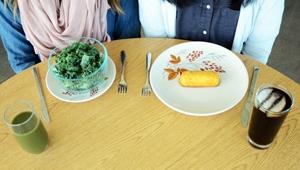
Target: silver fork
x=146, y=90
x=122, y=84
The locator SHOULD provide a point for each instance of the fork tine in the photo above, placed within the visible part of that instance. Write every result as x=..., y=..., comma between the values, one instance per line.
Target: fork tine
x=146, y=92
x=124, y=89
x=120, y=89
x=143, y=92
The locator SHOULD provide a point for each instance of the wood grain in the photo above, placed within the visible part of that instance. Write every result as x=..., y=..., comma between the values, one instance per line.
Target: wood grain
x=133, y=132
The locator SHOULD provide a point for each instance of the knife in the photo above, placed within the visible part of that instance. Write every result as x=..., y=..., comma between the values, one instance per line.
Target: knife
x=41, y=95
x=249, y=101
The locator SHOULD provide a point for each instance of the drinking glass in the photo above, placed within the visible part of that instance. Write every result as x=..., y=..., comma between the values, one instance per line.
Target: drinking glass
x=30, y=133
x=271, y=106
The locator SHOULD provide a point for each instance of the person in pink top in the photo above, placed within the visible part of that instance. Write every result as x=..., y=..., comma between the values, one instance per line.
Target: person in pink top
x=30, y=29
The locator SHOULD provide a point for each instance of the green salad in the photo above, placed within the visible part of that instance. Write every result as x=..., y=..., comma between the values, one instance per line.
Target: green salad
x=78, y=60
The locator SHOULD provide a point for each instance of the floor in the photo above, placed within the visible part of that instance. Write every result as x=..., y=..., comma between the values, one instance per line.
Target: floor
x=285, y=56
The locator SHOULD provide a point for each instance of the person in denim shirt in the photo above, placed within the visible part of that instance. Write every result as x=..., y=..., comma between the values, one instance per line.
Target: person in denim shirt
x=20, y=51
x=249, y=27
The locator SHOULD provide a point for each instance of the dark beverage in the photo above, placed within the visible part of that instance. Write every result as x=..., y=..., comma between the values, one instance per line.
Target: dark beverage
x=271, y=107
x=263, y=129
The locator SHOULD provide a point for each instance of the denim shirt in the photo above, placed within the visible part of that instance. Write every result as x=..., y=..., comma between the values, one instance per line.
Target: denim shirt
x=208, y=20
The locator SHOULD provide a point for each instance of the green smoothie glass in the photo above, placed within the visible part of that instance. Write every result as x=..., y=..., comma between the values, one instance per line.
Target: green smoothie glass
x=27, y=128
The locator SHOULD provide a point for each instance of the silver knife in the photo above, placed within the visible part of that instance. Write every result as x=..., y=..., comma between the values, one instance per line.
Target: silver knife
x=41, y=96
x=249, y=101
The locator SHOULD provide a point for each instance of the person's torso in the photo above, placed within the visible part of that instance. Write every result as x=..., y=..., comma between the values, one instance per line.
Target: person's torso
x=208, y=20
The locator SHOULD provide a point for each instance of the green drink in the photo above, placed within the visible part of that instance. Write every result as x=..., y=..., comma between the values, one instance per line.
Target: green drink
x=35, y=138
x=26, y=127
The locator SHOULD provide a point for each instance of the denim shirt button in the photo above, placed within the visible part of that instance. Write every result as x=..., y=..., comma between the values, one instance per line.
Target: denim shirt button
x=204, y=32
x=207, y=6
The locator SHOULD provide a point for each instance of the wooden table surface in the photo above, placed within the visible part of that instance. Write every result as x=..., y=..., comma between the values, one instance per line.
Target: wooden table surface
x=129, y=131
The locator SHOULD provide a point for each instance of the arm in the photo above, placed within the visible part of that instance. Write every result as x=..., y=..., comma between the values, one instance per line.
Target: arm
x=125, y=25
x=266, y=28
x=158, y=18
x=20, y=52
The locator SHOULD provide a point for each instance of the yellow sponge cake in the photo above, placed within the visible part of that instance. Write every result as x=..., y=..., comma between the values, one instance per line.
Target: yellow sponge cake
x=199, y=79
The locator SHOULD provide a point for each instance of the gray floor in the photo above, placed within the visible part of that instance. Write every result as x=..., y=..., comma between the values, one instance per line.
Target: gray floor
x=5, y=70
x=285, y=56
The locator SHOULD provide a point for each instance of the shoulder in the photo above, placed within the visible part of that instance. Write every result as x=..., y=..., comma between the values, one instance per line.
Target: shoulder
x=263, y=6
x=150, y=6
x=266, y=3
x=149, y=3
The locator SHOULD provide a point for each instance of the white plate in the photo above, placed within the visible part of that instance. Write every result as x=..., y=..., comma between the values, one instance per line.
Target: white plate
x=60, y=93
x=200, y=101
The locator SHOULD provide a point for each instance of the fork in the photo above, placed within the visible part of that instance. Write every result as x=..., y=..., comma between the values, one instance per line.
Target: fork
x=146, y=90
x=122, y=88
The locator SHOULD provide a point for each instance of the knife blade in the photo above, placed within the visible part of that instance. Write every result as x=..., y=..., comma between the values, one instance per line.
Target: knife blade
x=249, y=102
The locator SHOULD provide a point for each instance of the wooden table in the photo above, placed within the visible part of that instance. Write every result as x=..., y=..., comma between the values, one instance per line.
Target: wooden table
x=133, y=132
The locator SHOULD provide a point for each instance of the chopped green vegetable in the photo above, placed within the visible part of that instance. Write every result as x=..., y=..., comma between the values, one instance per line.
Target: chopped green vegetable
x=78, y=61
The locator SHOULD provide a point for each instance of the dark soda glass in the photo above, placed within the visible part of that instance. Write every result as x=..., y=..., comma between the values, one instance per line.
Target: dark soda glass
x=265, y=123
